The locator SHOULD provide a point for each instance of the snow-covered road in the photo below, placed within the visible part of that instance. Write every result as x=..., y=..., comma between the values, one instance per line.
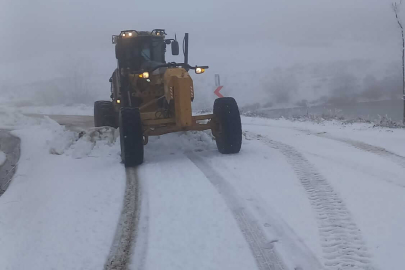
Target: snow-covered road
x=312, y=195
x=299, y=196
x=63, y=205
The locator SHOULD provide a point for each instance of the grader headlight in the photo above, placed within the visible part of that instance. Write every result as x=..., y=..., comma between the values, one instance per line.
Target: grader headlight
x=144, y=75
x=199, y=70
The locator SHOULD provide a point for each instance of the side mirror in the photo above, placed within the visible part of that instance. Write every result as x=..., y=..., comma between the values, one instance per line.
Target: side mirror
x=175, y=47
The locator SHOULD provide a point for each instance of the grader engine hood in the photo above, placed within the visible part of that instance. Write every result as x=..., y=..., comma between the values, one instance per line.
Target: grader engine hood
x=178, y=87
x=177, y=78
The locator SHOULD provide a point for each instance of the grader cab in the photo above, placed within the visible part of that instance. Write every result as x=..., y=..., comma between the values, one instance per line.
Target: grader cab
x=151, y=97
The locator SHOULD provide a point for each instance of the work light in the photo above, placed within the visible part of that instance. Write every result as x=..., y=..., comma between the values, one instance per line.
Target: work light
x=199, y=70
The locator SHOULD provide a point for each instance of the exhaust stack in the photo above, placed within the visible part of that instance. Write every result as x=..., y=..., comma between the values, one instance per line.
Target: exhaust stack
x=186, y=48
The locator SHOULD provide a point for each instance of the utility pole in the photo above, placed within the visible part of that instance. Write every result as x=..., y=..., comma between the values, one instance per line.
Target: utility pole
x=396, y=8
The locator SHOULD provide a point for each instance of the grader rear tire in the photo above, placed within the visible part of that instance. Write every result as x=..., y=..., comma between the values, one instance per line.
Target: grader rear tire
x=131, y=136
x=228, y=131
x=104, y=114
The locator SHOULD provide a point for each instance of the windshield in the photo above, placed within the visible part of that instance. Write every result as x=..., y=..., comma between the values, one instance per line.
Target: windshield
x=153, y=50
x=139, y=52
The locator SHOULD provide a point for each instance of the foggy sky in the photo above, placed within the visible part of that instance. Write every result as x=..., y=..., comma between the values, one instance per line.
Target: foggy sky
x=37, y=34
x=35, y=27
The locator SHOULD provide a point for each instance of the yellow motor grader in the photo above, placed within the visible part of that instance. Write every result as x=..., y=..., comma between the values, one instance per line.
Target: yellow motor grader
x=151, y=97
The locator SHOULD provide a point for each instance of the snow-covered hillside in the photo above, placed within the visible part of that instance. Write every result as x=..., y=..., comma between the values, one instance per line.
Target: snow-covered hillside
x=268, y=86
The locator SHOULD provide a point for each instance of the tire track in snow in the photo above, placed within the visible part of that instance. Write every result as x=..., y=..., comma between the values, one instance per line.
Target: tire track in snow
x=263, y=249
x=142, y=230
x=120, y=253
x=342, y=243
x=381, y=176
x=380, y=151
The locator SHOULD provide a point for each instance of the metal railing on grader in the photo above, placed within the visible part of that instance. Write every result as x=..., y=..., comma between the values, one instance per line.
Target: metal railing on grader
x=151, y=97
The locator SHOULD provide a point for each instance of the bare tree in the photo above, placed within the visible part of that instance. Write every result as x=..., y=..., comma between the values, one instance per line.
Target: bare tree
x=396, y=8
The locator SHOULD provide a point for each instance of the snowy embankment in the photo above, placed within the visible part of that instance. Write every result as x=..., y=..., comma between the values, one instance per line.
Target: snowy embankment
x=77, y=109
x=62, y=207
x=2, y=158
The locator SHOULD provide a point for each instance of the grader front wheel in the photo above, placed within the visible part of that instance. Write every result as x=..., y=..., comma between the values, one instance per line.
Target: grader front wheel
x=228, y=127
x=131, y=136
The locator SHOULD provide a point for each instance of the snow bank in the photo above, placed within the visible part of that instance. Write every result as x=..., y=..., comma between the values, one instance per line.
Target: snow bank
x=95, y=142
x=15, y=120
x=178, y=142
x=89, y=142
x=2, y=158
x=189, y=140
x=75, y=109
